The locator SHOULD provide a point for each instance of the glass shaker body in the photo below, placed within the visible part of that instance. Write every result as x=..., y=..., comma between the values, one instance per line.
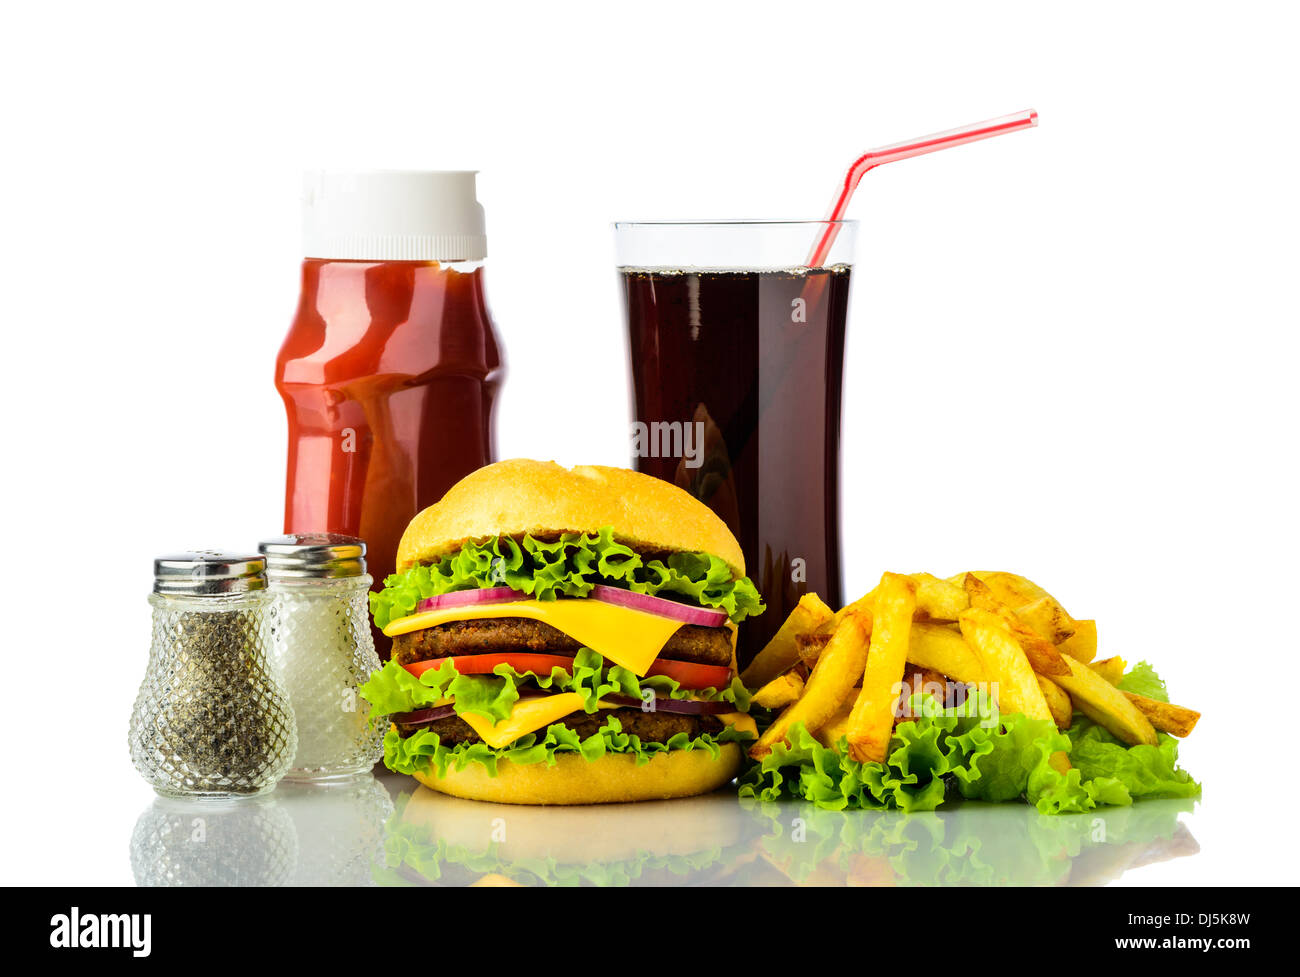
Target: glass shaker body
x=319, y=633
x=210, y=718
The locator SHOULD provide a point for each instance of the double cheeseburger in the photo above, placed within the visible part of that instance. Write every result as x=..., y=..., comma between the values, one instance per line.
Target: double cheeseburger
x=564, y=637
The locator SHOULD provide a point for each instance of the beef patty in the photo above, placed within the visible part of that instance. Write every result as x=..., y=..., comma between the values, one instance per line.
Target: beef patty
x=690, y=643
x=650, y=727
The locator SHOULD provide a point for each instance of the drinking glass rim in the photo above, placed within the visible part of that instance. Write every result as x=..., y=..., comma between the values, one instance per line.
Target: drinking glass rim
x=733, y=222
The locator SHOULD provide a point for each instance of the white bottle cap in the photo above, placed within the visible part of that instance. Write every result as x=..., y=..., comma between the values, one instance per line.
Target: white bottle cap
x=393, y=215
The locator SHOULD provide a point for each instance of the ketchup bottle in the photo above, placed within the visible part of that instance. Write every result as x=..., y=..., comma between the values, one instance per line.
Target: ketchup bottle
x=392, y=365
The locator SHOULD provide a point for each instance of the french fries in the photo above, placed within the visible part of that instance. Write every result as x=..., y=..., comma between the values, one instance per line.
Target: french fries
x=1165, y=716
x=939, y=647
x=1048, y=618
x=1043, y=656
x=840, y=672
x=863, y=605
x=923, y=680
x=1004, y=662
x=1059, y=761
x=1038, y=610
x=781, y=652
x=781, y=691
x=809, y=646
x=1010, y=588
x=871, y=723
x=1105, y=705
x=1058, y=702
x=936, y=600
x=1111, y=669
x=1082, y=645
x=838, y=669
x=837, y=727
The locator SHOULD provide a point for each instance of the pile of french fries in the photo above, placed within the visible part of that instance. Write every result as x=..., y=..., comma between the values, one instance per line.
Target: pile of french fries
x=848, y=675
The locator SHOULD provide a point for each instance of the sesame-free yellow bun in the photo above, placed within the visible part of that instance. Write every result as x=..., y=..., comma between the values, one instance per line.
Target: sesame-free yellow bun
x=612, y=778
x=520, y=496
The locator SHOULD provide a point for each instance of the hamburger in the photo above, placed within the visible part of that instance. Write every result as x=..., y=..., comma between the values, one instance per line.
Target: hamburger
x=564, y=637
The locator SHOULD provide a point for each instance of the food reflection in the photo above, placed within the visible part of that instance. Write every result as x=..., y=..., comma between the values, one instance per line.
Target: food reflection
x=326, y=833
x=340, y=828
x=716, y=840
x=435, y=839
x=974, y=844
x=182, y=842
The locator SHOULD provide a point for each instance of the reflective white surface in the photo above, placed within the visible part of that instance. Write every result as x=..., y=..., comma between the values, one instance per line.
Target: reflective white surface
x=352, y=833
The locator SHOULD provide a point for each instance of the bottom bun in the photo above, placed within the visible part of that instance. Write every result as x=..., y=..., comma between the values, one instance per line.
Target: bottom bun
x=611, y=779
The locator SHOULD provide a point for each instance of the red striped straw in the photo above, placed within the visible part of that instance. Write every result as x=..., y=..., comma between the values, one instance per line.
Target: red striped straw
x=906, y=150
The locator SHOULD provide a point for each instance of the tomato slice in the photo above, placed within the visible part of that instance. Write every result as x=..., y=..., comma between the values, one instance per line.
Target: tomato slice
x=520, y=661
x=688, y=675
x=691, y=675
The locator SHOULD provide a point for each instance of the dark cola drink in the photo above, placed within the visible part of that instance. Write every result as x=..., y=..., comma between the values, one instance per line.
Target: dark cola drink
x=737, y=379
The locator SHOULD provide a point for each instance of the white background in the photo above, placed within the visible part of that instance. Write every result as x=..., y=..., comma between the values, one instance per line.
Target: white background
x=1072, y=350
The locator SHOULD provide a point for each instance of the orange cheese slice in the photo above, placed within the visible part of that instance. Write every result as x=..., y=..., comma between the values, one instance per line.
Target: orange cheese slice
x=527, y=716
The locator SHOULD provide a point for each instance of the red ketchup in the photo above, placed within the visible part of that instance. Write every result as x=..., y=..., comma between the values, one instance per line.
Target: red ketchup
x=391, y=367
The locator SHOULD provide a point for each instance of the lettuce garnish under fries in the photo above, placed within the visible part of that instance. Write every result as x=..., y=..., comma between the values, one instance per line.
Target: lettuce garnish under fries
x=973, y=752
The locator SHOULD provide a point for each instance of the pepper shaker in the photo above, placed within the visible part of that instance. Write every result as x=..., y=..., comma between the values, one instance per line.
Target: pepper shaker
x=211, y=718
x=319, y=634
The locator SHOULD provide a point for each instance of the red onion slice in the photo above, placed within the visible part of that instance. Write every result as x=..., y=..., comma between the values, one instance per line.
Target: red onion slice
x=704, y=616
x=683, y=707
x=421, y=716
x=466, y=598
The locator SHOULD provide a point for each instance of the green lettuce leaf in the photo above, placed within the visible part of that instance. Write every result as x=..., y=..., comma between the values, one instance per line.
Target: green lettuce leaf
x=568, y=567
x=1012, y=760
x=1142, y=679
x=394, y=689
x=1118, y=774
x=423, y=750
x=974, y=752
x=923, y=755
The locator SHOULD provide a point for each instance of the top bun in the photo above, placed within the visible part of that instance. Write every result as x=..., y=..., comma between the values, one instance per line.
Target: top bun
x=520, y=496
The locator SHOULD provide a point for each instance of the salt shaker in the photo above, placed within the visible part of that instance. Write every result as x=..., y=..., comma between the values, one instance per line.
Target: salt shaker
x=319, y=633
x=211, y=719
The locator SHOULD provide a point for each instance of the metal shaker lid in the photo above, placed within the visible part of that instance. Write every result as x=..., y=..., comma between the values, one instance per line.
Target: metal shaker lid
x=313, y=556
x=208, y=573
